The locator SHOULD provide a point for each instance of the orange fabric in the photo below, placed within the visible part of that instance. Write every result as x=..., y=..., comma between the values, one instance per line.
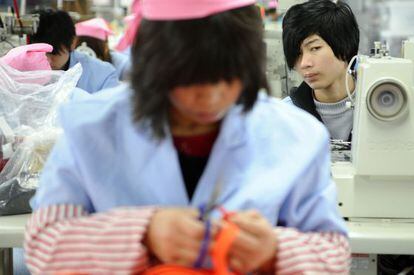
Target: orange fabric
x=224, y=240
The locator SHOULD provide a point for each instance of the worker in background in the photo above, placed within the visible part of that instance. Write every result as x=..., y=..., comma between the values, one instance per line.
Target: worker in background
x=57, y=29
x=136, y=171
x=319, y=40
x=271, y=10
x=94, y=33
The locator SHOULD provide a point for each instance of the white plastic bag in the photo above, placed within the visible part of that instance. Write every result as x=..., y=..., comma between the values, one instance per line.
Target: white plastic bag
x=28, y=129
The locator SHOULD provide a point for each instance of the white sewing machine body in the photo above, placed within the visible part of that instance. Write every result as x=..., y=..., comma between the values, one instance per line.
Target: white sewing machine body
x=379, y=180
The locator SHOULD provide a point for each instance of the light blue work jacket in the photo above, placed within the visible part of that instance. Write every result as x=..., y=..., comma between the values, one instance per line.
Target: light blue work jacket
x=274, y=159
x=96, y=74
x=122, y=64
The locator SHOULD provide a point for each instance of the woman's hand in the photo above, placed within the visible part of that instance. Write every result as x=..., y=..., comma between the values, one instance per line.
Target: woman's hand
x=255, y=246
x=175, y=235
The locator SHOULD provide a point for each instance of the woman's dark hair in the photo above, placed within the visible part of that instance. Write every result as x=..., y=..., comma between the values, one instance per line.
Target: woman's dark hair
x=333, y=22
x=55, y=28
x=100, y=47
x=169, y=54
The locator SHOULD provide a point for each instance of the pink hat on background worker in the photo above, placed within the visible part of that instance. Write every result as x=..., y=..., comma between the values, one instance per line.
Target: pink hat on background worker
x=273, y=4
x=176, y=10
x=97, y=28
x=29, y=57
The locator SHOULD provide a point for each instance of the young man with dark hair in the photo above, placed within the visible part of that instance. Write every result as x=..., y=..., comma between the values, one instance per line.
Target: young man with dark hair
x=320, y=38
x=57, y=29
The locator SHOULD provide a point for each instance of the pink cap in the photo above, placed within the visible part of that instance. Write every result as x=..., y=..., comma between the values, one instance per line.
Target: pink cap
x=97, y=28
x=176, y=10
x=188, y=9
x=273, y=4
x=29, y=57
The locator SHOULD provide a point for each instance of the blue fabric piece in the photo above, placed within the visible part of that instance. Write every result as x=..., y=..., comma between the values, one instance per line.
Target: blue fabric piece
x=96, y=74
x=122, y=64
x=274, y=159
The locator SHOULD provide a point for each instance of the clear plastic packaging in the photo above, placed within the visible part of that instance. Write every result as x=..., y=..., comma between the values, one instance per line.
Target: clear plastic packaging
x=28, y=129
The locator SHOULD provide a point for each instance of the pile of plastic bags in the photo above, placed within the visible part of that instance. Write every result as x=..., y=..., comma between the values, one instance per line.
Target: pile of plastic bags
x=29, y=127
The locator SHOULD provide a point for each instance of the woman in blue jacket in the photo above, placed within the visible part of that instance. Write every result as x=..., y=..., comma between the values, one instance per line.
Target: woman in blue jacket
x=123, y=186
x=93, y=34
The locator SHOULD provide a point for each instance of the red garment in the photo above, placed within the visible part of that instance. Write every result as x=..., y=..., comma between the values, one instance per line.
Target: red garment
x=196, y=146
x=3, y=163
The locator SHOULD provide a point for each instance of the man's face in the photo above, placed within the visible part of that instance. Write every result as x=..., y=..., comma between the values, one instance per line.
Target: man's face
x=58, y=61
x=318, y=65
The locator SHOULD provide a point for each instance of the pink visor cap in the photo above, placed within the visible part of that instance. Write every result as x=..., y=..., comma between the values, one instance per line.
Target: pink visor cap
x=175, y=10
x=188, y=9
x=273, y=4
x=30, y=57
x=97, y=28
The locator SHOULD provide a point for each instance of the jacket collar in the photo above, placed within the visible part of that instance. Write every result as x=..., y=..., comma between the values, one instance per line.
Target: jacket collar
x=303, y=98
x=233, y=129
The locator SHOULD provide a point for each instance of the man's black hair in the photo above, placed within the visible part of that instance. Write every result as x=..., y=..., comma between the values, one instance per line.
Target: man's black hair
x=169, y=54
x=333, y=22
x=55, y=28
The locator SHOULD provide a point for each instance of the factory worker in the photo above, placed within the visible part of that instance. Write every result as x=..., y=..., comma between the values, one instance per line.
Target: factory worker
x=271, y=10
x=125, y=186
x=94, y=33
x=319, y=40
x=57, y=29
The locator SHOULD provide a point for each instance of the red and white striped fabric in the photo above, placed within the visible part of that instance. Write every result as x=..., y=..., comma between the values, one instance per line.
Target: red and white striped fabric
x=65, y=239
x=311, y=253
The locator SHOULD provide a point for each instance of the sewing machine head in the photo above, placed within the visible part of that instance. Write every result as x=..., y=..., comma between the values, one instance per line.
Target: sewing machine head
x=378, y=182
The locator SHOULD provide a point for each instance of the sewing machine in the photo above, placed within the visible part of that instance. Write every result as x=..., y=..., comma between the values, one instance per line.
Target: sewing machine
x=12, y=30
x=376, y=187
x=380, y=177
